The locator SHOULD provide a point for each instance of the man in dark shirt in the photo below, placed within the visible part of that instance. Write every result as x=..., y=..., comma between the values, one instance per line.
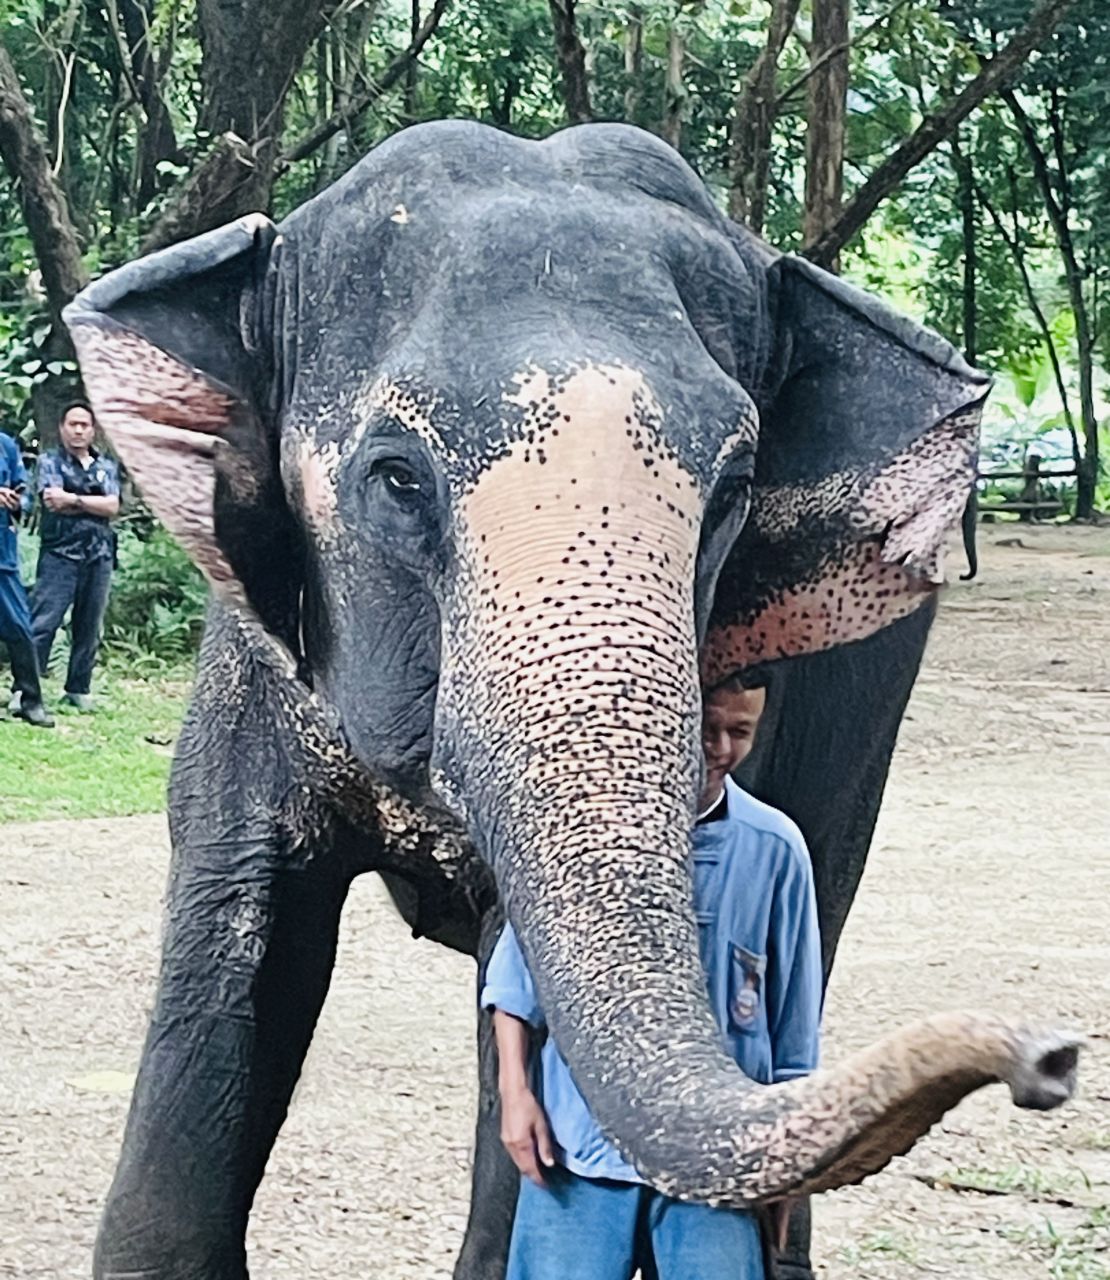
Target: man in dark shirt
x=80, y=496
x=15, y=615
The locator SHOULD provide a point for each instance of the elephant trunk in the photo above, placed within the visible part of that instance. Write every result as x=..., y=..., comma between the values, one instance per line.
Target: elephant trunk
x=570, y=677
x=590, y=849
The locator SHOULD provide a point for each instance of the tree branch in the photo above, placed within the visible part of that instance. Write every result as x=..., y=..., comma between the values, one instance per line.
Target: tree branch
x=874, y=29
x=210, y=196
x=391, y=76
x=1018, y=254
x=935, y=129
x=1073, y=274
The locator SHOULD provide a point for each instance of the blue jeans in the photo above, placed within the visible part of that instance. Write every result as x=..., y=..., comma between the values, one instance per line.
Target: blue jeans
x=60, y=583
x=591, y=1229
x=15, y=631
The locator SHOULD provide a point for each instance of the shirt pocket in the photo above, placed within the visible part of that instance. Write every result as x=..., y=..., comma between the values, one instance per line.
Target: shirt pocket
x=746, y=973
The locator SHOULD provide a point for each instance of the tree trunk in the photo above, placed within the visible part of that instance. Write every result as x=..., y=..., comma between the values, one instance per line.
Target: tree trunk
x=157, y=141
x=674, y=94
x=325, y=93
x=633, y=62
x=41, y=198
x=934, y=129
x=411, y=71
x=570, y=54
x=754, y=120
x=826, y=118
x=1073, y=273
x=965, y=180
x=46, y=217
x=251, y=50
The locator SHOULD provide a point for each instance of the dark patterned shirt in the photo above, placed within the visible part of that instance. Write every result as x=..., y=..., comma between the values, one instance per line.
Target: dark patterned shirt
x=80, y=537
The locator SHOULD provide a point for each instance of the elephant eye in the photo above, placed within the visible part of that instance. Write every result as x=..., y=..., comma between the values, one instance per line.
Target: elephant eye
x=397, y=475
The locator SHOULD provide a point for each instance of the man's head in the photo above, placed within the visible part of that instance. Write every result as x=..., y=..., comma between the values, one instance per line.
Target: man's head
x=77, y=426
x=730, y=715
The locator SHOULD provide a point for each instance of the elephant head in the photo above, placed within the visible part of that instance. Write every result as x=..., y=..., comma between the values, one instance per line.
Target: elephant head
x=513, y=445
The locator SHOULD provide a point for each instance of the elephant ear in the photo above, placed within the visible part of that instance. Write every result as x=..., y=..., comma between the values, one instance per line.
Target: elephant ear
x=868, y=449
x=176, y=353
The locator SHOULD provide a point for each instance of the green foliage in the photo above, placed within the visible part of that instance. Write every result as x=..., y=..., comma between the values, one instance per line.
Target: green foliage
x=494, y=60
x=108, y=764
x=156, y=609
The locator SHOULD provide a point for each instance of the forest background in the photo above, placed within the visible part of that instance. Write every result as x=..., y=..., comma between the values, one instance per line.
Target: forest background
x=949, y=154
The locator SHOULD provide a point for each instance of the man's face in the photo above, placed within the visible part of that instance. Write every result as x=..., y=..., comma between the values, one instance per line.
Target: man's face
x=729, y=721
x=77, y=430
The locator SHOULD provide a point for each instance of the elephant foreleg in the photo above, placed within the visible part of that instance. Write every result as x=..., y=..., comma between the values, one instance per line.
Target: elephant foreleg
x=248, y=953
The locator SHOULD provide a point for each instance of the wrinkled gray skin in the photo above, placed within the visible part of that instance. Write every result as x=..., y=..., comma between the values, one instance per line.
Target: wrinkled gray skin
x=492, y=455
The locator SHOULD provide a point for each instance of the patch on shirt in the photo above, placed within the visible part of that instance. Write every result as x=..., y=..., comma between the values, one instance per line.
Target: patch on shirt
x=746, y=975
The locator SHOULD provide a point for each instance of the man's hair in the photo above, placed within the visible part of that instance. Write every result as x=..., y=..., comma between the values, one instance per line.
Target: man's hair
x=76, y=403
x=757, y=677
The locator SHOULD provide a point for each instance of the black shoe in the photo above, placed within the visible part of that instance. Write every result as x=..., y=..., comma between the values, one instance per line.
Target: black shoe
x=35, y=713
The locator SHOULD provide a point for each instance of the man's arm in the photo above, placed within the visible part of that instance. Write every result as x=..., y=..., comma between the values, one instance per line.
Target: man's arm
x=81, y=504
x=13, y=497
x=510, y=992
x=794, y=974
x=524, y=1128
x=794, y=991
x=51, y=484
x=108, y=505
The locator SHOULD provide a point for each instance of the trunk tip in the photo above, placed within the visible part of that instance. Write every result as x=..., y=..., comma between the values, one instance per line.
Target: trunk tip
x=1045, y=1069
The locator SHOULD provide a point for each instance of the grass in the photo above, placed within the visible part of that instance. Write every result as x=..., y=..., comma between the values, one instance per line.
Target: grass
x=1017, y=1179
x=108, y=764
x=894, y=1245
x=1078, y=1253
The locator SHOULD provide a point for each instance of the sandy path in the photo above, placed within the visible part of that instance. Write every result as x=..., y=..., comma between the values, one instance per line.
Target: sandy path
x=988, y=886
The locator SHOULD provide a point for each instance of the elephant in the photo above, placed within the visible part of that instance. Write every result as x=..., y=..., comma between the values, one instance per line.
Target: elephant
x=495, y=454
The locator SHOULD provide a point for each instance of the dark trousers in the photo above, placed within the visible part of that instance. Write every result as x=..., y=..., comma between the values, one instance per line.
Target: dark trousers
x=83, y=584
x=15, y=631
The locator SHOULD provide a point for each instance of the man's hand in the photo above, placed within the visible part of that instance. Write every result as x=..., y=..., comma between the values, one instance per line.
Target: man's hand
x=9, y=499
x=525, y=1133
x=57, y=500
x=778, y=1215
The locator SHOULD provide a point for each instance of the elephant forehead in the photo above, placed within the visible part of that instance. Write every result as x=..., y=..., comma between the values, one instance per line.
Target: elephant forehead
x=587, y=442
x=585, y=423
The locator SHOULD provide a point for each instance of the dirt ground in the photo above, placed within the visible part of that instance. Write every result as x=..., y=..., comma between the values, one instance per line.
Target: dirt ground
x=988, y=886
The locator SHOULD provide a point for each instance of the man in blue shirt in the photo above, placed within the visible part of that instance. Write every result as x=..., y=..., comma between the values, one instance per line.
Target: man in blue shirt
x=15, y=616
x=583, y=1212
x=80, y=497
